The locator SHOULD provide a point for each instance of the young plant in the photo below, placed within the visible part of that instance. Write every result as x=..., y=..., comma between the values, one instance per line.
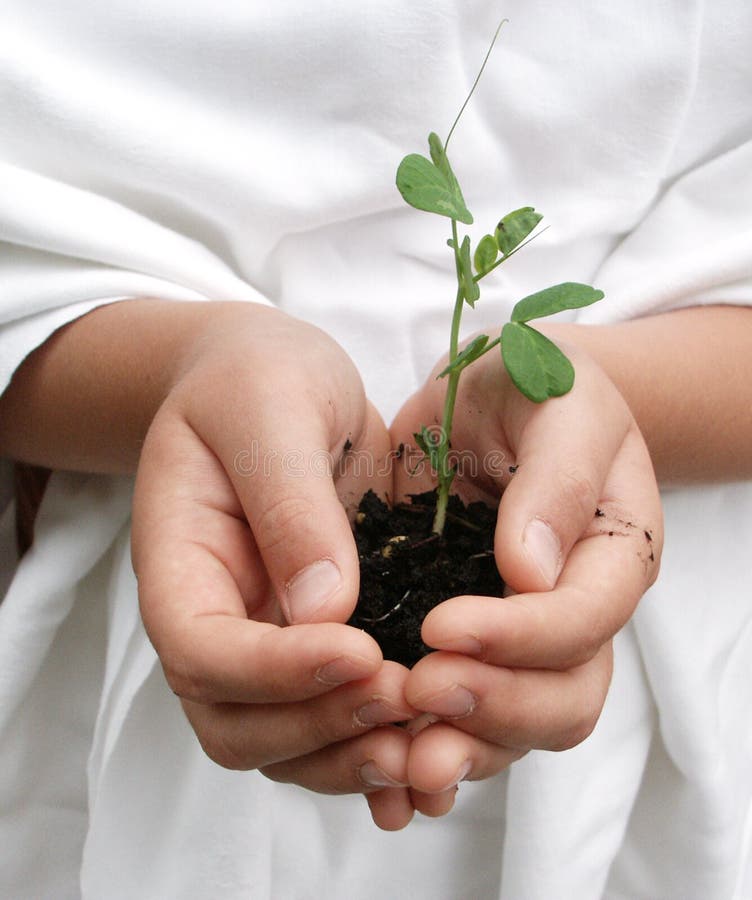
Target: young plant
x=535, y=364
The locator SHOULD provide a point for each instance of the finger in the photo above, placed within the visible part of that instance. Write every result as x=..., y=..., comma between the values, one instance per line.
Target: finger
x=365, y=463
x=364, y=764
x=391, y=809
x=248, y=736
x=442, y=756
x=559, y=477
x=514, y=708
x=560, y=629
x=223, y=659
x=433, y=805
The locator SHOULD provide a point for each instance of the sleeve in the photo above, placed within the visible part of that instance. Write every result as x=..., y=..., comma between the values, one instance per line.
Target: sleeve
x=65, y=250
x=83, y=190
x=694, y=245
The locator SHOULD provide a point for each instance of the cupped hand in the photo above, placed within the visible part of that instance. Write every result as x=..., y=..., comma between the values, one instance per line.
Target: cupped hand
x=578, y=541
x=246, y=563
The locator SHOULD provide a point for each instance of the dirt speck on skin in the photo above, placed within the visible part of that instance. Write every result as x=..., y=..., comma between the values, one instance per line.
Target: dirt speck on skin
x=626, y=528
x=406, y=570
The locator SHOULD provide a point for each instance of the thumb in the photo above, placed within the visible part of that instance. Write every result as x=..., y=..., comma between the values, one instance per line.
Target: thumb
x=286, y=487
x=558, y=482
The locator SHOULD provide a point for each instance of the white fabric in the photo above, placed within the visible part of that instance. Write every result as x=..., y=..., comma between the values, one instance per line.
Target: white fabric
x=243, y=150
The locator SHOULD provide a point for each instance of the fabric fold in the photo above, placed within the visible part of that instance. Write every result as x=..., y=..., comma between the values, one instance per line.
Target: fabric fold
x=234, y=152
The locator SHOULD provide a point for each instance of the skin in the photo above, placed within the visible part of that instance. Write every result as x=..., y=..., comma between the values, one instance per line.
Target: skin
x=172, y=391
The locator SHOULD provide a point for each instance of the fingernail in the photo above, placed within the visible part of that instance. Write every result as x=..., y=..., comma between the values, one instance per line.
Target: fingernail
x=467, y=644
x=542, y=543
x=310, y=589
x=416, y=725
x=378, y=712
x=452, y=704
x=372, y=776
x=343, y=669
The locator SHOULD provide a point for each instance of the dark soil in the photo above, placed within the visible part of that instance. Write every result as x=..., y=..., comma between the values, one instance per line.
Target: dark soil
x=405, y=570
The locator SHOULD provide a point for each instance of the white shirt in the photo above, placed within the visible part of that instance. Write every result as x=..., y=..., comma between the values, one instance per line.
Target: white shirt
x=238, y=151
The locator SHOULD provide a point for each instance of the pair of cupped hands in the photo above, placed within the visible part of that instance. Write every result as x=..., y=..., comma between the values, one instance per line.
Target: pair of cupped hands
x=248, y=571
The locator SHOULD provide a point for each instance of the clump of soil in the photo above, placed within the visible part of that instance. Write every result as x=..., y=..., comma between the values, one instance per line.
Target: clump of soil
x=405, y=570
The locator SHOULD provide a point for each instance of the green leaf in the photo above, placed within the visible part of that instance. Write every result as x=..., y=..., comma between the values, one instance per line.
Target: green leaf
x=485, y=254
x=473, y=350
x=429, y=445
x=536, y=365
x=569, y=295
x=515, y=227
x=425, y=186
x=470, y=289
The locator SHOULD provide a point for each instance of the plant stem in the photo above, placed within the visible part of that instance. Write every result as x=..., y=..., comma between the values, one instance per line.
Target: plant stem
x=445, y=473
x=454, y=336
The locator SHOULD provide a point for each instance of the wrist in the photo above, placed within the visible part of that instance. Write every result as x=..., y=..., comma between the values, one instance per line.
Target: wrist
x=85, y=398
x=686, y=377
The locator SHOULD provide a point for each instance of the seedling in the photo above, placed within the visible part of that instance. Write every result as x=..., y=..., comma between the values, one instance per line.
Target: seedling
x=535, y=364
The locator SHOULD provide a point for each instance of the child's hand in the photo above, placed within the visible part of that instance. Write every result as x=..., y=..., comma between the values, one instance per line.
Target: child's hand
x=238, y=529
x=578, y=541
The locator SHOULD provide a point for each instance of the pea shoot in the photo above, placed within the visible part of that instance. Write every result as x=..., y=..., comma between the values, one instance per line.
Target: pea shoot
x=536, y=366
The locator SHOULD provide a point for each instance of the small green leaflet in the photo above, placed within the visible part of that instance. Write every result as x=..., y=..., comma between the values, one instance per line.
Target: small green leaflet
x=438, y=154
x=536, y=365
x=485, y=254
x=470, y=289
x=430, y=184
x=515, y=227
x=569, y=295
x=441, y=161
x=429, y=445
x=473, y=350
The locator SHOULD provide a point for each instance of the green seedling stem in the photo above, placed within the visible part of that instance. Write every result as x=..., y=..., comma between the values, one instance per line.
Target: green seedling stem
x=534, y=364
